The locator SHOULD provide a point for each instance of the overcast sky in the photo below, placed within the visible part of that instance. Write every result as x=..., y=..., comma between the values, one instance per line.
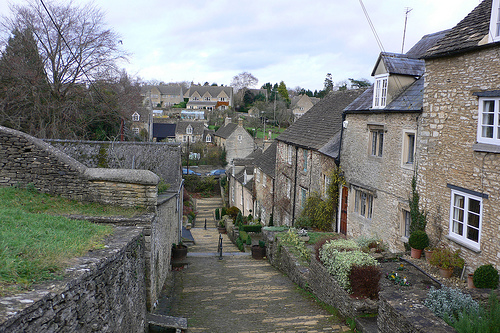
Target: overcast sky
x=297, y=42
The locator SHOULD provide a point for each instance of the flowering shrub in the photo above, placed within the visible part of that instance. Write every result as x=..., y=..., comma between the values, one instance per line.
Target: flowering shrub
x=448, y=303
x=298, y=247
x=339, y=264
x=399, y=280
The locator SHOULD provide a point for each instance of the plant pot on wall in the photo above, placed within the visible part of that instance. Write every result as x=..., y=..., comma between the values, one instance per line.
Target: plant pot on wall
x=258, y=252
x=179, y=252
x=470, y=281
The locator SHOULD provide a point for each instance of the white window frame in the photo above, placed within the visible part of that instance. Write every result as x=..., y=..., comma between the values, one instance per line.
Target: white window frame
x=494, y=33
x=306, y=156
x=461, y=236
x=208, y=138
x=405, y=223
x=409, y=148
x=489, y=119
x=380, y=91
x=303, y=197
x=189, y=130
x=289, y=154
x=136, y=130
x=136, y=116
x=288, y=188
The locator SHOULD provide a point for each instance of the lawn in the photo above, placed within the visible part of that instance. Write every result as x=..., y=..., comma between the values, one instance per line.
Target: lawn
x=36, y=243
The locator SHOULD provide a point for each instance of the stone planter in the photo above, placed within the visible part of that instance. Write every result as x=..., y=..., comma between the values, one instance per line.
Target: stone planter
x=222, y=230
x=258, y=252
x=179, y=252
x=445, y=272
x=415, y=253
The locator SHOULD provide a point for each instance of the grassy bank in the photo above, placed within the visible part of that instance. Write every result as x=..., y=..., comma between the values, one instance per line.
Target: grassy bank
x=36, y=243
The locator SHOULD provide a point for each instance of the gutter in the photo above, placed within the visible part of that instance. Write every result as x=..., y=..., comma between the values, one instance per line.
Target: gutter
x=295, y=185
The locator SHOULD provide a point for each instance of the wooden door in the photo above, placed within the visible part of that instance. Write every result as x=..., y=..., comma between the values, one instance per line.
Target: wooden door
x=343, y=211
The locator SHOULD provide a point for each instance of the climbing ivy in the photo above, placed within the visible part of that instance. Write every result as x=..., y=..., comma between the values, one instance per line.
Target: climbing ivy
x=418, y=217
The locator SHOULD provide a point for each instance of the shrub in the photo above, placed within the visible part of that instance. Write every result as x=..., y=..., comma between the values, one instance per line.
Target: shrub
x=339, y=264
x=239, y=219
x=223, y=211
x=418, y=240
x=319, y=244
x=243, y=236
x=240, y=244
x=251, y=227
x=341, y=245
x=217, y=214
x=365, y=280
x=249, y=240
x=297, y=247
x=447, y=303
x=271, y=222
x=303, y=222
x=443, y=257
x=486, y=276
x=486, y=322
x=233, y=212
x=262, y=243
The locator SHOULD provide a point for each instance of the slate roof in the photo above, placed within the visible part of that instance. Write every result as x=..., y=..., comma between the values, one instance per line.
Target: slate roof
x=170, y=90
x=466, y=35
x=162, y=131
x=198, y=127
x=212, y=90
x=320, y=124
x=409, y=100
x=267, y=161
x=400, y=64
x=427, y=41
x=225, y=131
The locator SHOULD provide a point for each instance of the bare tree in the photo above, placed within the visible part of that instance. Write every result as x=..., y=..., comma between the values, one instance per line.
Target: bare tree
x=73, y=41
x=244, y=80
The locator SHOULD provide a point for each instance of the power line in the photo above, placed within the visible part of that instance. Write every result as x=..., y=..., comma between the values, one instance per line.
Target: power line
x=379, y=42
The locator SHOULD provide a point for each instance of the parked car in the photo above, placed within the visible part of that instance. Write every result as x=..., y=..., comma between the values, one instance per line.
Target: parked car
x=217, y=173
x=190, y=171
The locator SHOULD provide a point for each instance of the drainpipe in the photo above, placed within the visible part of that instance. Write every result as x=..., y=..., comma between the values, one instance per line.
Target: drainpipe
x=180, y=204
x=295, y=184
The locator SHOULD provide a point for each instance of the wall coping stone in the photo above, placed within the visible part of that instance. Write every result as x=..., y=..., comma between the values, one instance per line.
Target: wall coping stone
x=130, y=176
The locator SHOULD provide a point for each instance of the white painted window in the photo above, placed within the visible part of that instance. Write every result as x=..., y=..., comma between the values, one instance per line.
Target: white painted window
x=208, y=138
x=264, y=180
x=189, y=130
x=240, y=137
x=135, y=130
x=363, y=203
x=136, y=116
x=288, y=187
x=208, y=98
x=380, y=91
x=488, y=129
x=289, y=154
x=305, y=160
x=466, y=218
x=406, y=223
x=494, y=35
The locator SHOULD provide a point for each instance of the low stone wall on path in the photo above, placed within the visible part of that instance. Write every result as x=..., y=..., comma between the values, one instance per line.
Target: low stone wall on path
x=396, y=312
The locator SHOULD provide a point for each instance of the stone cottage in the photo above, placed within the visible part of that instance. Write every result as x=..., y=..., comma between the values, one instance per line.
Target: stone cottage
x=235, y=139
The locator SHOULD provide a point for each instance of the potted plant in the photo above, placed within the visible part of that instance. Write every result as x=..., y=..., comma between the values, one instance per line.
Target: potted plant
x=221, y=227
x=428, y=253
x=418, y=241
x=259, y=251
x=179, y=251
x=446, y=260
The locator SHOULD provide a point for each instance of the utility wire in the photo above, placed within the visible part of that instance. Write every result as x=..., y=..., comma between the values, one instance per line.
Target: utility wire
x=379, y=42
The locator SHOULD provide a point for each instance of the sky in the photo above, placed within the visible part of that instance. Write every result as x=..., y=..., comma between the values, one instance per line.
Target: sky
x=297, y=42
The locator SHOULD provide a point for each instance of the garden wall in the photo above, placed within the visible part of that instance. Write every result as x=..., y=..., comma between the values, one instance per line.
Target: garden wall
x=104, y=291
x=396, y=312
x=164, y=159
x=25, y=159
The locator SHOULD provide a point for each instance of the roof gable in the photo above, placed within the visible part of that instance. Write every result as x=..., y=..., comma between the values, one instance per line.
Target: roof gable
x=225, y=131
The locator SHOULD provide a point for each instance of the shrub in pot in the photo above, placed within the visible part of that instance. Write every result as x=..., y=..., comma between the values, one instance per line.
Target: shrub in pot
x=486, y=276
x=418, y=240
x=446, y=259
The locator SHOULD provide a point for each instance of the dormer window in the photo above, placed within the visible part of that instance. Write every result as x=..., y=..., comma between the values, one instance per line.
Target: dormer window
x=189, y=130
x=136, y=117
x=494, y=35
x=380, y=91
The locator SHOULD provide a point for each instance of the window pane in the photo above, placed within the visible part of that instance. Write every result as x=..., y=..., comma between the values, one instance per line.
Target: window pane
x=459, y=201
x=374, y=143
x=381, y=143
x=362, y=202
x=458, y=227
x=356, y=201
x=474, y=206
x=473, y=234
x=411, y=148
x=370, y=206
x=407, y=223
x=473, y=220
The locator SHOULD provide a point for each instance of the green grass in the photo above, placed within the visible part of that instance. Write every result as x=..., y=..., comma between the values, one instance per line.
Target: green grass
x=36, y=244
x=315, y=237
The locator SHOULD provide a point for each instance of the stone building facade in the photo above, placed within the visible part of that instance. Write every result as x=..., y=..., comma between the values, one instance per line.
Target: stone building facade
x=264, y=181
x=459, y=155
x=235, y=139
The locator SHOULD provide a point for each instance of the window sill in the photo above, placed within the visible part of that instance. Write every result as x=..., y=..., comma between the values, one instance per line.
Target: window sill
x=486, y=148
x=467, y=246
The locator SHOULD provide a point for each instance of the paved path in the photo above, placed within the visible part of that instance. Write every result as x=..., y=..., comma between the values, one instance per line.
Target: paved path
x=240, y=294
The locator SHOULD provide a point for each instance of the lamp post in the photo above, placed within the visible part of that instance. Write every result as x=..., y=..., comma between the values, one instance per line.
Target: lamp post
x=264, y=133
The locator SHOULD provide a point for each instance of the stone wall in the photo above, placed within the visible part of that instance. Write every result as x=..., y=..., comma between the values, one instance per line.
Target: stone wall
x=25, y=159
x=449, y=153
x=386, y=178
x=103, y=291
x=164, y=159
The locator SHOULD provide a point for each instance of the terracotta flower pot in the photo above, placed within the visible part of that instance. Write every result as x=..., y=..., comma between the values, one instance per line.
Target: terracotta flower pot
x=445, y=272
x=470, y=281
x=428, y=255
x=415, y=253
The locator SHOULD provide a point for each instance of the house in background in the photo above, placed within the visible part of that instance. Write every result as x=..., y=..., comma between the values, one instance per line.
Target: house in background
x=378, y=148
x=235, y=139
x=459, y=139
x=209, y=136
x=301, y=104
x=140, y=120
x=189, y=131
x=264, y=174
x=162, y=96
x=306, y=153
x=209, y=98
